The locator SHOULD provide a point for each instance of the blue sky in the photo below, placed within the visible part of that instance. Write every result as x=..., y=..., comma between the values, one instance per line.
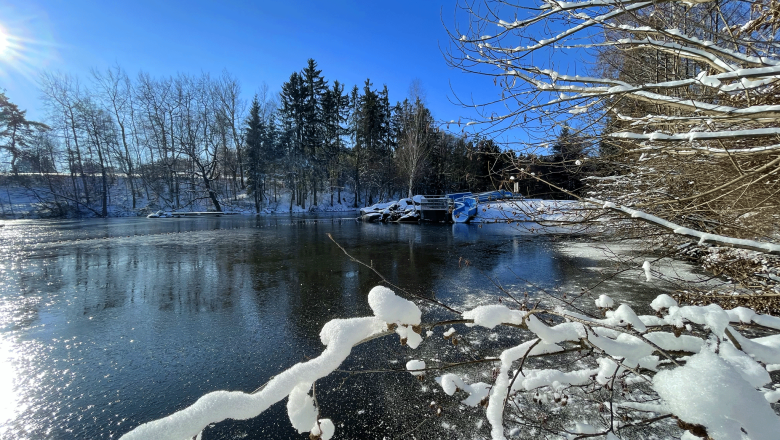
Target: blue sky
x=264, y=41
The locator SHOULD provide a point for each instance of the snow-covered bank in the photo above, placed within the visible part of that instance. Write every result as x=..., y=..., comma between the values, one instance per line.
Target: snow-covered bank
x=528, y=210
x=30, y=198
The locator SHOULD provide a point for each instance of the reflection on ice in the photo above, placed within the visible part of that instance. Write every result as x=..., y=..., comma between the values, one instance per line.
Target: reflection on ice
x=9, y=399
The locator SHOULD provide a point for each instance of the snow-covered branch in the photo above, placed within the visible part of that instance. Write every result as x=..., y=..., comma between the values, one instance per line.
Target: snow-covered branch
x=625, y=349
x=703, y=237
x=339, y=337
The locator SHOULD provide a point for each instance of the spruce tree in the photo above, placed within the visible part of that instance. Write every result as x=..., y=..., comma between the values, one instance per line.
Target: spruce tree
x=314, y=85
x=253, y=157
x=334, y=111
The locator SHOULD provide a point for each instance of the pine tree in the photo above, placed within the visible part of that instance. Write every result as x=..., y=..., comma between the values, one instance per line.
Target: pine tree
x=314, y=87
x=254, y=157
x=16, y=132
x=334, y=111
x=292, y=114
x=357, y=156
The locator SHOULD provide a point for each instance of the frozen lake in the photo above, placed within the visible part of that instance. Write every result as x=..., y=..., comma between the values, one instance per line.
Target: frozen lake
x=107, y=324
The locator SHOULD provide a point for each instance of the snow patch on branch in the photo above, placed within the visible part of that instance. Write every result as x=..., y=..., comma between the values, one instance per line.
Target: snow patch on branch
x=708, y=392
x=391, y=308
x=451, y=383
x=492, y=315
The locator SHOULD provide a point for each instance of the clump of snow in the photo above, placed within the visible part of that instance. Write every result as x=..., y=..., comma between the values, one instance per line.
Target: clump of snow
x=407, y=334
x=711, y=316
x=750, y=370
x=391, y=308
x=669, y=341
x=324, y=429
x=765, y=349
x=585, y=428
x=646, y=267
x=633, y=350
x=568, y=331
x=492, y=315
x=495, y=409
x=449, y=332
x=625, y=315
x=708, y=392
x=301, y=409
x=451, y=383
x=746, y=316
x=604, y=302
x=663, y=301
x=541, y=378
x=414, y=365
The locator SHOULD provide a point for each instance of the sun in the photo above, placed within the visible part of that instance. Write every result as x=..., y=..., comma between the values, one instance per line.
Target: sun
x=26, y=46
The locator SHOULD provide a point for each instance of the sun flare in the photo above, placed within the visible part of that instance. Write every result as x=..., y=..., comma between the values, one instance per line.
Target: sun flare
x=5, y=42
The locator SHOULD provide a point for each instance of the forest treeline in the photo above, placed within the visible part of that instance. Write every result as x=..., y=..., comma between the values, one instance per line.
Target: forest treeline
x=190, y=141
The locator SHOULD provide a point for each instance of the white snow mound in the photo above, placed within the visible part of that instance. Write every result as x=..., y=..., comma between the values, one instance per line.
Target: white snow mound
x=391, y=308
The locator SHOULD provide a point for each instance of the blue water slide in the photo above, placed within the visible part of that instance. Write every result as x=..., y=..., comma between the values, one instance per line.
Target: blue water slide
x=464, y=210
x=466, y=203
x=457, y=197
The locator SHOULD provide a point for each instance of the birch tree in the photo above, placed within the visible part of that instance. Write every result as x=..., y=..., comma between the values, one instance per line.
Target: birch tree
x=415, y=141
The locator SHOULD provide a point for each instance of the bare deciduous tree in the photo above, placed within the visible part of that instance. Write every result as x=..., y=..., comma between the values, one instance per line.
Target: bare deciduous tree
x=415, y=140
x=683, y=100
